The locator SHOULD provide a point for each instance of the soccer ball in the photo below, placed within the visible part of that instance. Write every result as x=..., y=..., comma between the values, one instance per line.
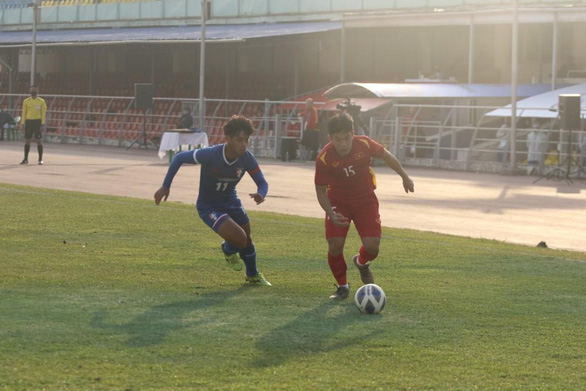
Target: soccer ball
x=370, y=299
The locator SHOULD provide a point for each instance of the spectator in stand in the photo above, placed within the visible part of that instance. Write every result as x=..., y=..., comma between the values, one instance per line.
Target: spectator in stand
x=186, y=120
x=5, y=118
x=293, y=126
x=291, y=132
x=310, y=118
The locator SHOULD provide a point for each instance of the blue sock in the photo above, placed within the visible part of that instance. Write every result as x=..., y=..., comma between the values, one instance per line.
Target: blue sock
x=248, y=255
x=229, y=249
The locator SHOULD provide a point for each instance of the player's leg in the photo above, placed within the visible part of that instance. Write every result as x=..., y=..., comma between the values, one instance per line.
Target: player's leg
x=248, y=252
x=248, y=255
x=235, y=239
x=234, y=236
x=336, y=237
x=338, y=267
x=29, y=131
x=27, y=148
x=368, y=225
x=39, y=140
x=336, y=259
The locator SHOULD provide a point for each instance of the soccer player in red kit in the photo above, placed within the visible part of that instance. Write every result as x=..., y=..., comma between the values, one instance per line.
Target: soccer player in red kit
x=345, y=184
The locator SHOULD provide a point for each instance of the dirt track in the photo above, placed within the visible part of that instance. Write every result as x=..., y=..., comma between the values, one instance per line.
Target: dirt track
x=507, y=208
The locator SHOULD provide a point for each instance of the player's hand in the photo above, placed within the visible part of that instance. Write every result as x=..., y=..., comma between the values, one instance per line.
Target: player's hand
x=408, y=185
x=339, y=220
x=257, y=198
x=161, y=194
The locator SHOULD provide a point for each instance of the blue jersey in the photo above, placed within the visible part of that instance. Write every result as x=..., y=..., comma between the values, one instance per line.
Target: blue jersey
x=219, y=177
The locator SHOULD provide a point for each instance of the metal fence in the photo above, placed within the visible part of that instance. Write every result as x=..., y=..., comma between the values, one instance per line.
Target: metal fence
x=461, y=137
x=113, y=120
x=448, y=137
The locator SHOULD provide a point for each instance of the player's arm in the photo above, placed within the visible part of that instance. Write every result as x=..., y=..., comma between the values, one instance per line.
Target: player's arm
x=178, y=160
x=322, y=197
x=394, y=163
x=262, y=186
x=23, y=118
x=43, y=112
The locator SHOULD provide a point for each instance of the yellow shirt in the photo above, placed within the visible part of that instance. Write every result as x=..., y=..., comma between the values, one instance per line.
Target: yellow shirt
x=34, y=108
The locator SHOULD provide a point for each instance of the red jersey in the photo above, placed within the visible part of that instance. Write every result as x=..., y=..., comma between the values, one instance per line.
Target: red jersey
x=351, y=177
x=310, y=119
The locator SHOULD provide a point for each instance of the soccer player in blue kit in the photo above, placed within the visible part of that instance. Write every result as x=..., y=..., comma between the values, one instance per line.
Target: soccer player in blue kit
x=218, y=205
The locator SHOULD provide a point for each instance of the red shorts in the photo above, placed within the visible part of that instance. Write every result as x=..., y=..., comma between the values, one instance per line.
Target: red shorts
x=364, y=214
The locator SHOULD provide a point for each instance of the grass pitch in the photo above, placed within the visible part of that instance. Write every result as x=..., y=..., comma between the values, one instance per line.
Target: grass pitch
x=111, y=293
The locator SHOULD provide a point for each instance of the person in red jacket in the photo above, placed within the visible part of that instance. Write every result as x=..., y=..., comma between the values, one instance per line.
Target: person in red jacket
x=310, y=118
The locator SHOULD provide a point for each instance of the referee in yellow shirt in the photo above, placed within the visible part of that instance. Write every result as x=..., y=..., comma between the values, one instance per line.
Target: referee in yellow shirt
x=34, y=110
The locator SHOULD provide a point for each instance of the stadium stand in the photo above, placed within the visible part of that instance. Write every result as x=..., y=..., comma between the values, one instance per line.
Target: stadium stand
x=12, y=4
x=63, y=3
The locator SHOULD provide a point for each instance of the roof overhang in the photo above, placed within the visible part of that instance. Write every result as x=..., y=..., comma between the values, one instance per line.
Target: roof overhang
x=214, y=33
x=442, y=17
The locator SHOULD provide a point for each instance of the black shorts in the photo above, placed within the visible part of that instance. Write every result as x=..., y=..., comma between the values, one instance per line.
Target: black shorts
x=311, y=139
x=32, y=127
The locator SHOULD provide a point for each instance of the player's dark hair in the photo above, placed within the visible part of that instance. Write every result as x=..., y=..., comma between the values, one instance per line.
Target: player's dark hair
x=340, y=123
x=236, y=124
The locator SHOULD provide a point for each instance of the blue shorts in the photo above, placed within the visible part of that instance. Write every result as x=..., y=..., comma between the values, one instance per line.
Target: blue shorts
x=214, y=216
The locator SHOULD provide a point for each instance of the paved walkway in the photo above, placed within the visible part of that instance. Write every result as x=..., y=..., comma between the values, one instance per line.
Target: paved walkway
x=507, y=208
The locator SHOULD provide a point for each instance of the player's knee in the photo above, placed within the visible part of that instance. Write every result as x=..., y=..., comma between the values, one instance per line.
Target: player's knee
x=241, y=241
x=372, y=249
x=335, y=248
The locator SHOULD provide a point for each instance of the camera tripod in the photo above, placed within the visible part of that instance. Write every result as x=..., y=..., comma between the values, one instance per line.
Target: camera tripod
x=142, y=139
x=564, y=168
x=360, y=126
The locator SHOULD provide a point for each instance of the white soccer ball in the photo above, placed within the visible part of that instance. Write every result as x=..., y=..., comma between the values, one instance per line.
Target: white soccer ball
x=370, y=299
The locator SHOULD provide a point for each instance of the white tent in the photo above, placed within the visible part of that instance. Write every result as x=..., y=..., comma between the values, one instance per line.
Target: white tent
x=543, y=105
x=436, y=91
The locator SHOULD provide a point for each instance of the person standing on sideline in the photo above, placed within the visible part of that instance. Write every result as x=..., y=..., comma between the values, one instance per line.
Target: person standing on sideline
x=5, y=119
x=345, y=184
x=503, y=136
x=218, y=205
x=310, y=118
x=34, y=110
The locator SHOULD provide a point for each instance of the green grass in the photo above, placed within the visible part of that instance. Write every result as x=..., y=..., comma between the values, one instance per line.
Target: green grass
x=112, y=293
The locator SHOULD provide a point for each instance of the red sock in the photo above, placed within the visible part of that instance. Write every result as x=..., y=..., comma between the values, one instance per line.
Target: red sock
x=338, y=267
x=364, y=256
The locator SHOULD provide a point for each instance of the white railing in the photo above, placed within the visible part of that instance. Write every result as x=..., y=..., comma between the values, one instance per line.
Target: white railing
x=450, y=137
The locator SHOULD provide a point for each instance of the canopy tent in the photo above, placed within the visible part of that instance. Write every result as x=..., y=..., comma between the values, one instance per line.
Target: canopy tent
x=366, y=104
x=325, y=104
x=431, y=90
x=543, y=105
x=235, y=32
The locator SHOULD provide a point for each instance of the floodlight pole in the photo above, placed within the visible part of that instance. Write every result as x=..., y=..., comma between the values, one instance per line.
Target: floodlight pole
x=471, y=50
x=2, y=62
x=514, y=76
x=35, y=5
x=554, y=52
x=343, y=54
x=202, y=61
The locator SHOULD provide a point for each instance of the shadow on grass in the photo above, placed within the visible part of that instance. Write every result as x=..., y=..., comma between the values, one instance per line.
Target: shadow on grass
x=317, y=331
x=153, y=325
